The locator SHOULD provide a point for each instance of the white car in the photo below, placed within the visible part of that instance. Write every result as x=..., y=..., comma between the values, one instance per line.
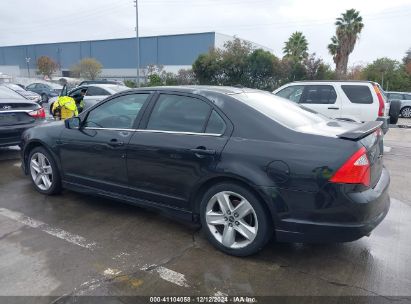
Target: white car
x=358, y=101
x=96, y=92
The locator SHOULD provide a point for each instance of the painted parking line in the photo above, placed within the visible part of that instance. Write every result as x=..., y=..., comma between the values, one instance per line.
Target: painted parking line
x=164, y=273
x=56, y=232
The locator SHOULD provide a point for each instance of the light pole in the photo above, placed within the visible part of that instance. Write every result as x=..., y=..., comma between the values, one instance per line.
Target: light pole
x=28, y=65
x=138, y=45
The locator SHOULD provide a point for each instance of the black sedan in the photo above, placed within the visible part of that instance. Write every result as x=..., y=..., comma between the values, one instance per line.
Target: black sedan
x=244, y=163
x=16, y=115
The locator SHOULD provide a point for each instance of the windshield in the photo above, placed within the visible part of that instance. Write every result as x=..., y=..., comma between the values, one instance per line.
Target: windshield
x=281, y=110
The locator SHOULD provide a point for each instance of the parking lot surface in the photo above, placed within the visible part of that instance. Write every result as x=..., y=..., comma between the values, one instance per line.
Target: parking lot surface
x=74, y=244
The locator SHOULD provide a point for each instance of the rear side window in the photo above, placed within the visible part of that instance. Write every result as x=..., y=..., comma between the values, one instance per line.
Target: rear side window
x=358, y=93
x=319, y=94
x=407, y=96
x=216, y=124
x=179, y=113
x=96, y=91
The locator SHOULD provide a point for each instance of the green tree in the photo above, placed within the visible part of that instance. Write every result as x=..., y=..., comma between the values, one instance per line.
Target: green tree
x=88, y=68
x=46, y=66
x=154, y=80
x=389, y=72
x=296, y=47
x=207, y=67
x=349, y=26
x=263, y=70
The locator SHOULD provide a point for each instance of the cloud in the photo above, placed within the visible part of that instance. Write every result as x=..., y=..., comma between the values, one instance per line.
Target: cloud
x=265, y=22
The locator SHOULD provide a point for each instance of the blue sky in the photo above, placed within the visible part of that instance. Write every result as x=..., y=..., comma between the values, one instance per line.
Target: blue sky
x=267, y=22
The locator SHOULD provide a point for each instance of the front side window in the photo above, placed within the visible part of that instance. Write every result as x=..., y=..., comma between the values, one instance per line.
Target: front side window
x=407, y=96
x=394, y=96
x=292, y=93
x=117, y=113
x=179, y=113
x=358, y=93
x=319, y=94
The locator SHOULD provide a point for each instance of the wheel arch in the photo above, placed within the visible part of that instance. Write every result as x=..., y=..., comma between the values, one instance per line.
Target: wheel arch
x=198, y=192
x=32, y=145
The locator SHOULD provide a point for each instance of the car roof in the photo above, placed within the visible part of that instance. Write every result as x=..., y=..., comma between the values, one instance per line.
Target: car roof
x=346, y=81
x=198, y=89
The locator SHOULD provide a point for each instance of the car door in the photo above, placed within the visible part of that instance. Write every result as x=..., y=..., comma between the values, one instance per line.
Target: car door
x=321, y=98
x=94, y=155
x=178, y=144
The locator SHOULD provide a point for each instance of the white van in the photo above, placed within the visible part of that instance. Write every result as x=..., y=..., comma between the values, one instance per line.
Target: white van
x=358, y=101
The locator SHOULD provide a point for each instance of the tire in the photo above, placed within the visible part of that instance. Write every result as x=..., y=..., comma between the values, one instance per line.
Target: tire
x=393, y=120
x=224, y=227
x=49, y=181
x=406, y=112
x=44, y=98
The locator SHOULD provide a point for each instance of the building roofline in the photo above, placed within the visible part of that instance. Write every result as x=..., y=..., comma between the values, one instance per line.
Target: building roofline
x=108, y=39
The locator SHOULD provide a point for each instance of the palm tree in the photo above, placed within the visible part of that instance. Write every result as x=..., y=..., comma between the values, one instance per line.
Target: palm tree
x=349, y=27
x=296, y=47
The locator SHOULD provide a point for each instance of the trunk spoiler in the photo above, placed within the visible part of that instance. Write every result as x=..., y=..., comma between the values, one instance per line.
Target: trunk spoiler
x=362, y=130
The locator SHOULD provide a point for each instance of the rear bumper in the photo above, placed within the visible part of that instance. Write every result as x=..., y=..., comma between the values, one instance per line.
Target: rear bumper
x=350, y=216
x=11, y=135
x=386, y=121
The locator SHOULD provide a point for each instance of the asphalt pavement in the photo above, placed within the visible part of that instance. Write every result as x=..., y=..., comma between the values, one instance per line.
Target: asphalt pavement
x=76, y=245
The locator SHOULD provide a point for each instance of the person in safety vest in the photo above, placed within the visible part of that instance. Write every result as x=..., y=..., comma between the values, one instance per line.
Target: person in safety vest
x=64, y=107
x=80, y=100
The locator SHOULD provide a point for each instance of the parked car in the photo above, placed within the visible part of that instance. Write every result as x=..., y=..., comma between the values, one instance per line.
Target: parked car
x=26, y=94
x=96, y=92
x=358, y=101
x=88, y=82
x=405, y=102
x=45, y=90
x=16, y=115
x=245, y=163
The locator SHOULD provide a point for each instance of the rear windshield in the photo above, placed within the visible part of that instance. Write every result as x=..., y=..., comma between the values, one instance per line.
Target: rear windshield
x=281, y=110
x=358, y=93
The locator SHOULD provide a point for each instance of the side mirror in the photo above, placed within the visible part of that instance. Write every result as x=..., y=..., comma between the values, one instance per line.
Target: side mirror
x=73, y=123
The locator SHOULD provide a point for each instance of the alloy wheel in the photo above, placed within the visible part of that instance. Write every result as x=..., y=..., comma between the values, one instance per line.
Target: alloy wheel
x=406, y=112
x=41, y=171
x=231, y=219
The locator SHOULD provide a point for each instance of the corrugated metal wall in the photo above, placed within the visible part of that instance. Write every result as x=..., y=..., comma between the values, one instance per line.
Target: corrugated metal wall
x=115, y=53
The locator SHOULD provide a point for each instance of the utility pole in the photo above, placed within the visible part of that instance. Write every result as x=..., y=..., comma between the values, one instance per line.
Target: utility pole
x=28, y=66
x=138, y=45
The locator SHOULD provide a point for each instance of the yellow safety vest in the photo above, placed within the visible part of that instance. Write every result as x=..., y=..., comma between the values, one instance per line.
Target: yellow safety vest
x=67, y=107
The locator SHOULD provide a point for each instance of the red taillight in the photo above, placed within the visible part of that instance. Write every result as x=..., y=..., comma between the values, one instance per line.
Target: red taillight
x=356, y=170
x=38, y=113
x=381, y=101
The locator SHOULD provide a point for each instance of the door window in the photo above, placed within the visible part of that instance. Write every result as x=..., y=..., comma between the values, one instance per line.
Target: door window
x=117, y=113
x=179, y=113
x=358, y=93
x=75, y=93
x=407, y=96
x=96, y=91
x=393, y=96
x=319, y=94
x=292, y=93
